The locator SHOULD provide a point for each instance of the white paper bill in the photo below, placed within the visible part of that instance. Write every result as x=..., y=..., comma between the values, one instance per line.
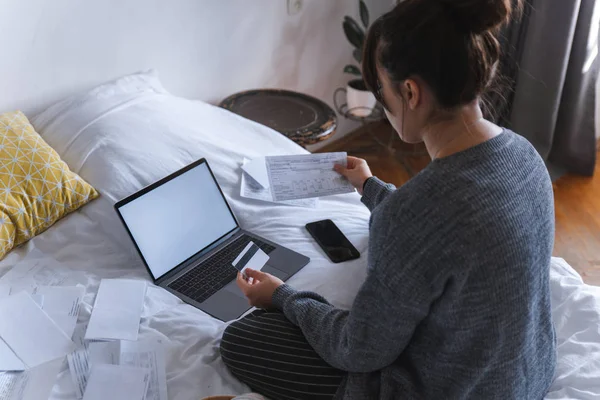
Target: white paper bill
x=79, y=367
x=105, y=352
x=117, y=310
x=32, y=335
x=28, y=274
x=306, y=176
x=149, y=355
x=143, y=354
x=62, y=304
x=93, y=353
x=34, y=384
x=253, y=190
x=12, y=384
x=116, y=382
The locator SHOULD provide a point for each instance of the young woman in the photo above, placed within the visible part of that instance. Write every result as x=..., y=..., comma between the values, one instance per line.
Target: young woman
x=456, y=302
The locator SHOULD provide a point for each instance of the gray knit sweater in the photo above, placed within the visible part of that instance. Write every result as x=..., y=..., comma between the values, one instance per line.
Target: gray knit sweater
x=456, y=302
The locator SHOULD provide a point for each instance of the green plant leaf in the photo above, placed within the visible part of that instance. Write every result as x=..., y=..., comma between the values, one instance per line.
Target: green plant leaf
x=354, y=33
x=364, y=13
x=357, y=54
x=352, y=69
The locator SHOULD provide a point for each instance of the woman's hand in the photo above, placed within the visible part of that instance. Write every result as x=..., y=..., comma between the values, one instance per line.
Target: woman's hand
x=357, y=172
x=259, y=287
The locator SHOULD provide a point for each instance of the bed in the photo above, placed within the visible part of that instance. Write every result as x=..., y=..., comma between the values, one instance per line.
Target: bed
x=128, y=133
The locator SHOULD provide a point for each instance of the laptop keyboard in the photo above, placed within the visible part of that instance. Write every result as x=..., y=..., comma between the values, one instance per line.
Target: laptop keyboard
x=207, y=278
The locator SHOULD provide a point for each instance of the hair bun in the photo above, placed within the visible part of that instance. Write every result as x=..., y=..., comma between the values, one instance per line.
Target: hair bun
x=479, y=16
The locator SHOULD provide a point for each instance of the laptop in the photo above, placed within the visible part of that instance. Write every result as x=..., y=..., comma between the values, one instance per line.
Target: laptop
x=187, y=235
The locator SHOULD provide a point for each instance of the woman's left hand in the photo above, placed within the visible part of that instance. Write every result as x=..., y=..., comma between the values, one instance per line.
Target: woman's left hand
x=259, y=287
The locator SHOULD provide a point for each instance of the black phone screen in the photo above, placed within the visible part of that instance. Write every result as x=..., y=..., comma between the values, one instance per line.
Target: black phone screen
x=333, y=242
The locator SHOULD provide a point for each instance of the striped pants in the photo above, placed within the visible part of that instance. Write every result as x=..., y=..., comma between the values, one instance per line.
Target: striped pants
x=268, y=353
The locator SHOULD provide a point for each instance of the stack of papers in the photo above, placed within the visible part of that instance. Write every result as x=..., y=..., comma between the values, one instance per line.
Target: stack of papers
x=147, y=356
x=295, y=180
x=23, y=323
x=32, y=343
x=117, y=369
x=33, y=384
x=39, y=307
x=60, y=303
x=38, y=328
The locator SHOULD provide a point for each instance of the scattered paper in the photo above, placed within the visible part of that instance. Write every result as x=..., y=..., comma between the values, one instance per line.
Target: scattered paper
x=252, y=190
x=257, y=169
x=79, y=367
x=306, y=176
x=116, y=382
x=94, y=353
x=62, y=304
x=8, y=359
x=34, y=384
x=12, y=385
x=30, y=332
x=143, y=354
x=117, y=310
x=28, y=274
x=150, y=355
x=105, y=352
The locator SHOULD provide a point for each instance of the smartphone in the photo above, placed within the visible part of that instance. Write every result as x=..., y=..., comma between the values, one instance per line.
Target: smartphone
x=333, y=242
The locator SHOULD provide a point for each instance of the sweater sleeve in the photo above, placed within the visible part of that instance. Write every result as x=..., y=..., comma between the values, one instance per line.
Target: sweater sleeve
x=375, y=191
x=368, y=337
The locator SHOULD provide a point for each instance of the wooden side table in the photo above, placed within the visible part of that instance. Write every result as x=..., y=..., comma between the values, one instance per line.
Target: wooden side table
x=301, y=118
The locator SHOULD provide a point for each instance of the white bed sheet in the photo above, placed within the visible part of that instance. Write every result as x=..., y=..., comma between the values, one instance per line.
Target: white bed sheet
x=127, y=134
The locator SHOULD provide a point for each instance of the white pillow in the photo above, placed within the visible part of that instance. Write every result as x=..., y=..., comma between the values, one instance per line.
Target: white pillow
x=129, y=133
x=64, y=120
x=124, y=135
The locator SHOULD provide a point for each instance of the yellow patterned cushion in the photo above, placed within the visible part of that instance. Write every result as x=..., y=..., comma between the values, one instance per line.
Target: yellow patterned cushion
x=36, y=186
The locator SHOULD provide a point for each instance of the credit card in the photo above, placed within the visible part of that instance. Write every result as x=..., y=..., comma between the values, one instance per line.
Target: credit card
x=251, y=257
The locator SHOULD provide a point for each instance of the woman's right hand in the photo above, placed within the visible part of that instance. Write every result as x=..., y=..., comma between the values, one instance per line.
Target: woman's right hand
x=357, y=172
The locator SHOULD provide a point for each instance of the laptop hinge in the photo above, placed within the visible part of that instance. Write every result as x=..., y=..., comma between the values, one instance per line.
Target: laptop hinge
x=194, y=260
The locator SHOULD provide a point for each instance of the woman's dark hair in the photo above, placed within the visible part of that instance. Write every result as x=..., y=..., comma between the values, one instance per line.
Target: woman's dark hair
x=450, y=44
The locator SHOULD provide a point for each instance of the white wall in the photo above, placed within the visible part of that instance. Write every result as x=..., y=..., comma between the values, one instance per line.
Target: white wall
x=203, y=49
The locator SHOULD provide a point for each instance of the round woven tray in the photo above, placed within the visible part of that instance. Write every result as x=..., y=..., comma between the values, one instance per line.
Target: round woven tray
x=302, y=118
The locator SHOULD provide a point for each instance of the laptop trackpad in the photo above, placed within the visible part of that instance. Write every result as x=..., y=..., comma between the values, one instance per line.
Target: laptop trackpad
x=275, y=272
x=225, y=306
x=232, y=287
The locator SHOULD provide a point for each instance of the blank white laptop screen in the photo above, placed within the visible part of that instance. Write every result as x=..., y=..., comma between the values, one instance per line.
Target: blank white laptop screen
x=178, y=219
